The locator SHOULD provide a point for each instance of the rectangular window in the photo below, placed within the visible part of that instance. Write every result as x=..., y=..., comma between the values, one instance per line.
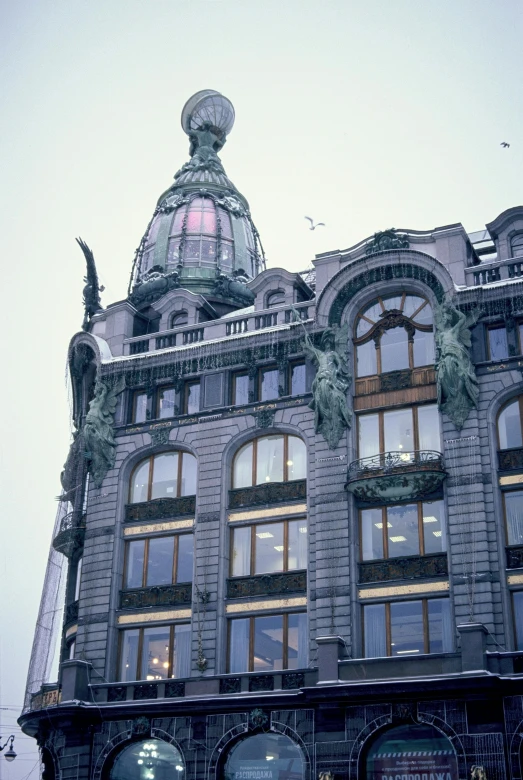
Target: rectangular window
x=366, y=359
x=520, y=331
x=240, y=389
x=268, y=643
x=399, y=430
x=497, y=343
x=166, y=402
x=271, y=547
x=402, y=530
x=268, y=380
x=155, y=653
x=140, y=405
x=159, y=560
x=514, y=516
x=517, y=601
x=192, y=398
x=401, y=628
x=297, y=379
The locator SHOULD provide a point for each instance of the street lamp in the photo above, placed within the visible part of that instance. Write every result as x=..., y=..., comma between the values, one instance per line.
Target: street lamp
x=9, y=754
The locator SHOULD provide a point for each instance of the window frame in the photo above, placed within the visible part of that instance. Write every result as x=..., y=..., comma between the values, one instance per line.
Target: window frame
x=254, y=443
x=146, y=540
x=252, y=562
x=293, y=364
x=421, y=530
x=261, y=371
x=150, y=458
x=159, y=390
x=381, y=424
x=388, y=625
x=139, y=654
x=488, y=329
x=186, y=392
x=285, y=639
x=510, y=401
x=235, y=375
x=134, y=403
x=513, y=593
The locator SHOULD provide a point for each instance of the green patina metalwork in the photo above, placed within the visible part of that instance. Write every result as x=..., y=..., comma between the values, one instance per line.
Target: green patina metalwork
x=98, y=430
x=330, y=385
x=92, y=287
x=385, y=240
x=458, y=389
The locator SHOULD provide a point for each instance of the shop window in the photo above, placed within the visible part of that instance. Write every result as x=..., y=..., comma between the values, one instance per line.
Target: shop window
x=267, y=643
x=275, y=299
x=166, y=406
x=509, y=425
x=271, y=547
x=272, y=756
x=516, y=245
x=497, y=344
x=411, y=751
x=140, y=407
x=191, y=398
x=155, y=653
x=152, y=758
x=280, y=458
x=405, y=529
x=159, y=560
x=513, y=504
x=268, y=384
x=402, y=628
x=166, y=475
x=399, y=430
x=240, y=389
x=297, y=379
x=393, y=333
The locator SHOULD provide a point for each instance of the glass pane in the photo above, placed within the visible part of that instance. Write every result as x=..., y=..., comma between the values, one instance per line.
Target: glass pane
x=297, y=535
x=227, y=256
x=412, y=303
x=371, y=534
x=182, y=651
x=178, y=221
x=273, y=756
x=520, y=338
x=241, y=552
x=498, y=345
x=225, y=223
x=518, y=618
x=135, y=556
x=399, y=431
x=368, y=435
x=424, y=354
x=406, y=628
x=440, y=632
x=509, y=426
x=269, y=384
x=268, y=643
x=297, y=458
x=78, y=579
x=209, y=222
x=208, y=252
x=242, y=474
x=240, y=390
x=394, y=350
x=192, y=250
x=268, y=548
x=298, y=379
x=392, y=302
x=374, y=630
x=129, y=655
x=155, y=653
x=193, y=398
x=239, y=646
x=514, y=516
x=185, y=562
x=434, y=526
x=165, y=476
x=140, y=407
x=188, y=475
x=362, y=327
x=275, y=299
x=173, y=253
x=402, y=530
x=160, y=561
x=166, y=402
x=153, y=759
x=366, y=359
x=428, y=428
x=140, y=483
x=269, y=461
x=297, y=641
x=194, y=219
x=374, y=311
x=425, y=316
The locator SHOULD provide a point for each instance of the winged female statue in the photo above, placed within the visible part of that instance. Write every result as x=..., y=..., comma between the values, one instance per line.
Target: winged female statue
x=98, y=429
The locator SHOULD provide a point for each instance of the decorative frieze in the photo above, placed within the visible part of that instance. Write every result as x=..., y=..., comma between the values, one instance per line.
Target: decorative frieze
x=160, y=509
x=261, y=682
x=71, y=613
x=515, y=557
x=267, y=584
x=510, y=459
x=269, y=493
x=292, y=680
x=117, y=693
x=230, y=685
x=156, y=596
x=145, y=691
x=174, y=689
x=412, y=567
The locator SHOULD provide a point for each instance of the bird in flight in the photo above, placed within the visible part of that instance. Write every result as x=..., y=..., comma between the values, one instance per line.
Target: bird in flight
x=314, y=226
x=504, y=144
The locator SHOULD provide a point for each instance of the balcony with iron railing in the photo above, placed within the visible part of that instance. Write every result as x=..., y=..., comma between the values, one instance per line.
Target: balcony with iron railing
x=71, y=534
x=396, y=476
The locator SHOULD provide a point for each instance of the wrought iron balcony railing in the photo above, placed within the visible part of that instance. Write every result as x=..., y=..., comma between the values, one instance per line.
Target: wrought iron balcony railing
x=388, y=462
x=396, y=476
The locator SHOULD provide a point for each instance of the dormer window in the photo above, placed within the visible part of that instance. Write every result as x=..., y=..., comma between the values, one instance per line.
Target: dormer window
x=275, y=299
x=516, y=245
x=179, y=318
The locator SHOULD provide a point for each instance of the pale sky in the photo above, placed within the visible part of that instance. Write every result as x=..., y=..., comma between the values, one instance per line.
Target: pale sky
x=364, y=115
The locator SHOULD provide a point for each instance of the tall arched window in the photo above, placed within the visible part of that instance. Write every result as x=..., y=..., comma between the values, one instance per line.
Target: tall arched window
x=276, y=298
x=516, y=245
x=266, y=755
x=509, y=425
x=394, y=332
x=166, y=475
x=410, y=750
x=152, y=758
x=279, y=458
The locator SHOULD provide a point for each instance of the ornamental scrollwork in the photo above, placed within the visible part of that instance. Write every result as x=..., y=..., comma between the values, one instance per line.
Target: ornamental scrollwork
x=386, y=240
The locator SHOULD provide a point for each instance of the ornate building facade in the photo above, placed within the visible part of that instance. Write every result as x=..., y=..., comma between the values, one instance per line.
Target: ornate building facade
x=292, y=511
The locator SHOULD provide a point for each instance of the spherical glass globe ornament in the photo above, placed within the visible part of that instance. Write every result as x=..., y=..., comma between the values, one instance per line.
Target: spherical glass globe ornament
x=208, y=110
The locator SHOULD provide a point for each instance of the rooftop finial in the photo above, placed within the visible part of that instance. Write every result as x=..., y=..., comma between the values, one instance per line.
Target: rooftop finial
x=207, y=118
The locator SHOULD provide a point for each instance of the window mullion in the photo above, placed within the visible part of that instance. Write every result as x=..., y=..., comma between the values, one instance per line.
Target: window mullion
x=251, y=644
x=285, y=457
x=378, y=355
x=410, y=344
x=385, y=530
x=253, y=549
x=139, y=658
x=254, y=460
x=285, y=638
x=145, y=563
x=415, y=427
x=170, y=668
x=180, y=470
x=425, y=612
x=176, y=546
x=151, y=476
x=381, y=430
x=388, y=628
x=286, y=545
x=421, y=530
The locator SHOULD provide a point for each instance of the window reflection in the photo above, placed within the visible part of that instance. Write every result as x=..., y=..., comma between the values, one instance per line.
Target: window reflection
x=268, y=643
x=509, y=426
x=407, y=627
x=269, y=547
x=269, y=384
x=166, y=475
x=394, y=350
x=278, y=458
x=497, y=343
x=401, y=430
x=403, y=530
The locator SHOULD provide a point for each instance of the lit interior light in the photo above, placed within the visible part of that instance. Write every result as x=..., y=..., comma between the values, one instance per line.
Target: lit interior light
x=303, y=530
x=437, y=533
x=150, y=677
x=126, y=666
x=269, y=758
x=141, y=753
x=402, y=652
x=397, y=538
x=400, y=446
x=405, y=456
x=165, y=665
x=279, y=547
x=430, y=519
x=265, y=535
x=380, y=525
x=140, y=761
x=155, y=660
x=289, y=463
x=179, y=768
x=267, y=479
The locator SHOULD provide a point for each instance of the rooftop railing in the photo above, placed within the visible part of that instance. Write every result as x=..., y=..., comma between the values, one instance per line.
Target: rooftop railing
x=495, y=271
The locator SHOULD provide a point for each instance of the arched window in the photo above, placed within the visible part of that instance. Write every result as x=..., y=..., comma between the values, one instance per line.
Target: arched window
x=516, y=245
x=166, y=475
x=266, y=755
x=509, y=425
x=411, y=750
x=151, y=758
x=279, y=458
x=276, y=298
x=394, y=332
x=179, y=318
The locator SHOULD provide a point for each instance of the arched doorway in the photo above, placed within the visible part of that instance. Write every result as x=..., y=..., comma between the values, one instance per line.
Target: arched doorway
x=416, y=751
x=265, y=757
x=150, y=759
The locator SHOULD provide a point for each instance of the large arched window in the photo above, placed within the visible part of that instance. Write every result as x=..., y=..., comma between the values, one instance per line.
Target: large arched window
x=151, y=758
x=266, y=755
x=509, y=425
x=279, y=458
x=394, y=332
x=166, y=475
x=411, y=750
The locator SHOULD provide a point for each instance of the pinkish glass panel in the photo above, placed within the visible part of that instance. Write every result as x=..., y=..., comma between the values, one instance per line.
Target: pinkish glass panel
x=194, y=220
x=209, y=222
x=225, y=222
x=178, y=221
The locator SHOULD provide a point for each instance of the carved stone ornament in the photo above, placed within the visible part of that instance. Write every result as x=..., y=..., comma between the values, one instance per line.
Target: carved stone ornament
x=261, y=682
x=258, y=719
x=117, y=693
x=156, y=596
x=405, y=711
x=515, y=557
x=152, y=285
x=146, y=691
x=160, y=436
x=478, y=772
x=265, y=418
x=456, y=379
x=292, y=680
x=230, y=685
x=92, y=288
x=385, y=240
x=98, y=431
x=174, y=689
x=160, y=508
x=141, y=726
